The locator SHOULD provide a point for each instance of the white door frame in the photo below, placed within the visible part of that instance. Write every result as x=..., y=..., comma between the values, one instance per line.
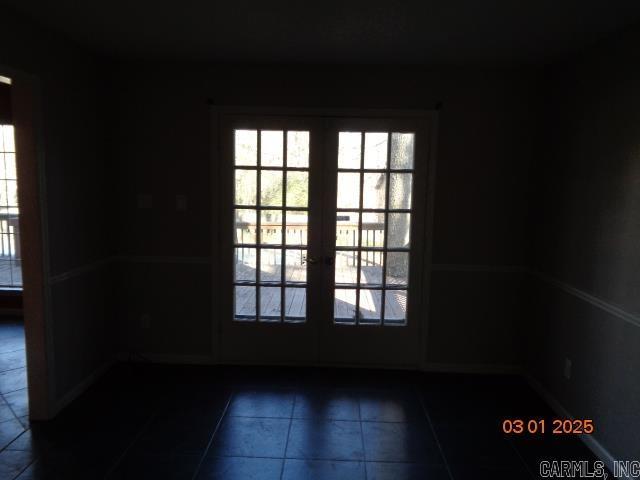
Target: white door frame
x=26, y=103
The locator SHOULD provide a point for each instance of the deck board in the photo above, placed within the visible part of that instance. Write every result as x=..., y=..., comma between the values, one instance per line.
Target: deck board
x=295, y=300
x=10, y=272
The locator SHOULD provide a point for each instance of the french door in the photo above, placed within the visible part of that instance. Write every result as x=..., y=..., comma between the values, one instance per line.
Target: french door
x=322, y=237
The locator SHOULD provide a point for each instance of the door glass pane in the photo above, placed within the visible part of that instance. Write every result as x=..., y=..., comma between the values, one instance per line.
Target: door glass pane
x=297, y=227
x=399, y=226
x=346, y=267
x=347, y=229
x=296, y=266
x=270, y=264
x=271, y=148
x=271, y=227
x=245, y=223
x=246, y=186
x=370, y=306
x=371, y=267
x=400, y=191
x=375, y=150
x=295, y=304
x=270, y=302
x=271, y=188
x=298, y=149
x=297, y=189
x=349, y=145
x=245, y=303
x=402, y=151
x=348, y=190
x=8, y=138
x=374, y=190
x=397, y=268
x=9, y=166
x=344, y=307
x=12, y=193
x=3, y=163
x=373, y=231
x=395, y=307
x=246, y=147
x=264, y=222
x=11, y=257
x=245, y=266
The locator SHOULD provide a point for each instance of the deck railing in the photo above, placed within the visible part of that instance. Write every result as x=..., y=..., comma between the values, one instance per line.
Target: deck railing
x=296, y=234
x=10, y=255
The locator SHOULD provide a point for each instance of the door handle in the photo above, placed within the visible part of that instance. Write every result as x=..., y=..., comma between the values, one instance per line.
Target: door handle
x=328, y=260
x=310, y=260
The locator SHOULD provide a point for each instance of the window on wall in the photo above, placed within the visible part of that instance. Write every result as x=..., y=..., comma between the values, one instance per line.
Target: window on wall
x=10, y=255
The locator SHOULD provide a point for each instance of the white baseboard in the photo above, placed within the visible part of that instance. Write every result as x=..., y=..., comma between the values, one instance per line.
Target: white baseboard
x=81, y=387
x=589, y=440
x=176, y=359
x=316, y=364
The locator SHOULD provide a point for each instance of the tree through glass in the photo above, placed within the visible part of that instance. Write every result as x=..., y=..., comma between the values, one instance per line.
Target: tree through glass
x=373, y=226
x=271, y=224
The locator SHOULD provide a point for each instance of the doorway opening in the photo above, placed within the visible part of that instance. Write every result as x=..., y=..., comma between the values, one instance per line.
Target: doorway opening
x=13, y=363
x=325, y=224
x=27, y=383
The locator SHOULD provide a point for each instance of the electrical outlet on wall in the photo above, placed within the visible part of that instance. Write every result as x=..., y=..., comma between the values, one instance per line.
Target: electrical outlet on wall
x=145, y=321
x=567, y=368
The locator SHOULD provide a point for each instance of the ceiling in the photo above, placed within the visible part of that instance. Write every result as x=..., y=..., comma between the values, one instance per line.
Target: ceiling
x=365, y=32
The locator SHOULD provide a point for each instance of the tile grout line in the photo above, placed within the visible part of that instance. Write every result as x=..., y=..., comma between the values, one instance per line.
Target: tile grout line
x=25, y=468
x=24, y=430
x=435, y=436
x=364, y=453
x=18, y=389
x=327, y=459
x=13, y=351
x=213, y=434
x=128, y=448
x=16, y=438
x=331, y=419
x=286, y=443
x=33, y=460
x=12, y=391
x=13, y=369
x=16, y=417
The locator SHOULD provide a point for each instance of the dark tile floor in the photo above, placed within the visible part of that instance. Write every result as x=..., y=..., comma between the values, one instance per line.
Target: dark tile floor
x=159, y=422
x=13, y=381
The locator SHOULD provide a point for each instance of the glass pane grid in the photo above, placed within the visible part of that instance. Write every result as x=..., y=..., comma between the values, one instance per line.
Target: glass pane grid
x=10, y=254
x=271, y=223
x=376, y=210
x=373, y=219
